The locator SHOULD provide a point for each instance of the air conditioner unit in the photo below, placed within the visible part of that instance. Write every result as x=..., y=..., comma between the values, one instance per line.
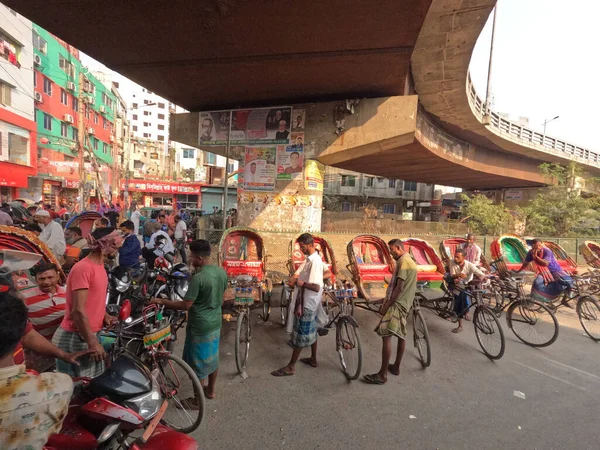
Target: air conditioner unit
x=112, y=139
x=103, y=109
x=86, y=86
x=68, y=118
x=37, y=60
x=70, y=86
x=90, y=130
x=89, y=100
x=73, y=146
x=38, y=97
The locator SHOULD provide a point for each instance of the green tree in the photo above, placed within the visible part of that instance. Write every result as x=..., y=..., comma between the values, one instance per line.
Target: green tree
x=484, y=217
x=559, y=209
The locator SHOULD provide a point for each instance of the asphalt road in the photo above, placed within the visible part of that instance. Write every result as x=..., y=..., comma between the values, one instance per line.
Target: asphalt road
x=463, y=401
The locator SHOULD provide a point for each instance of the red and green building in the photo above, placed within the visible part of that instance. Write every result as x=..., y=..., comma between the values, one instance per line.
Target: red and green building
x=64, y=89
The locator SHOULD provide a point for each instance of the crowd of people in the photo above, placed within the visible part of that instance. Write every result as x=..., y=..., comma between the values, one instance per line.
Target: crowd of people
x=64, y=322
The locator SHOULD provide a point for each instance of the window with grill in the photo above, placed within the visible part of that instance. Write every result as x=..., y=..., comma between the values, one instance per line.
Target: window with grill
x=64, y=98
x=47, y=122
x=410, y=186
x=389, y=209
x=47, y=86
x=40, y=44
x=348, y=180
x=392, y=183
x=66, y=65
x=188, y=153
x=63, y=130
x=369, y=181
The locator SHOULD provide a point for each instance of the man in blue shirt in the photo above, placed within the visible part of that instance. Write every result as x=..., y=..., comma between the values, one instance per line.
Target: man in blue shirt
x=130, y=251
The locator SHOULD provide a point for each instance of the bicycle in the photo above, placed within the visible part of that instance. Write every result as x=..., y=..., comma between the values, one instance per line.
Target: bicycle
x=337, y=305
x=176, y=378
x=487, y=327
x=420, y=331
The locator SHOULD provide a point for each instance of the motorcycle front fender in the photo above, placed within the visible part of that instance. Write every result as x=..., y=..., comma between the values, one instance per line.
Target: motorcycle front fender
x=164, y=438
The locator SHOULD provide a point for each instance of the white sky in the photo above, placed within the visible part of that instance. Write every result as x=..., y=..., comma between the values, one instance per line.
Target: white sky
x=545, y=64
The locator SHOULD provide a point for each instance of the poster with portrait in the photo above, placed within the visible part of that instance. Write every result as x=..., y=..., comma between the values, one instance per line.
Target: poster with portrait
x=298, y=118
x=257, y=126
x=213, y=128
x=259, y=168
x=290, y=161
x=314, y=173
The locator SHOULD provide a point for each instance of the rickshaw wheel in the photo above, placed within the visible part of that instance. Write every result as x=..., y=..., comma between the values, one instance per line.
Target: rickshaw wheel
x=243, y=336
x=266, y=300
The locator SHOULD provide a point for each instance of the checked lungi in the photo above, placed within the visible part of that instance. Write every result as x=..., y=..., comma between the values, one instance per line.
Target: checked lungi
x=304, y=333
x=71, y=342
x=201, y=351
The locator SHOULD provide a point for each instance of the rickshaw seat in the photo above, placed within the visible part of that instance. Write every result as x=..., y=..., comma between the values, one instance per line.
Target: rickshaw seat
x=373, y=272
x=429, y=276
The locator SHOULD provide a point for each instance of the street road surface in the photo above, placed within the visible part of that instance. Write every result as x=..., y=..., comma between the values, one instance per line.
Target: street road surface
x=463, y=401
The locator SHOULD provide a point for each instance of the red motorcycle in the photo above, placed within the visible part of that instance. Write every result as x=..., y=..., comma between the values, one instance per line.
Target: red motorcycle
x=119, y=410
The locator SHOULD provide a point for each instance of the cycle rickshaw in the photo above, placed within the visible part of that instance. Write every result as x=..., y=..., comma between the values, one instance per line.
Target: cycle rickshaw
x=243, y=256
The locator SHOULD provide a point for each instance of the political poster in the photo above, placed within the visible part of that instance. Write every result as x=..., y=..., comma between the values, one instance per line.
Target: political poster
x=314, y=173
x=249, y=127
x=259, y=168
x=290, y=161
x=213, y=129
x=298, y=118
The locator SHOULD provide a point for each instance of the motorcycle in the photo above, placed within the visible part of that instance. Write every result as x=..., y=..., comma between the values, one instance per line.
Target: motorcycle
x=126, y=283
x=169, y=281
x=128, y=397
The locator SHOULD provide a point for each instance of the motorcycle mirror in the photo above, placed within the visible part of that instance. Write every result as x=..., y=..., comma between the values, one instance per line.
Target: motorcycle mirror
x=125, y=311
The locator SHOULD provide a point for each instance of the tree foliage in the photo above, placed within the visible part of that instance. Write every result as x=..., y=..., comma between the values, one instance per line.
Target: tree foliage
x=560, y=209
x=484, y=216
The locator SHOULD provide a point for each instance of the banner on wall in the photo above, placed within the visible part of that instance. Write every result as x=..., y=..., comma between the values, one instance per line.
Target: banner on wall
x=314, y=173
x=290, y=161
x=259, y=168
x=249, y=127
x=298, y=119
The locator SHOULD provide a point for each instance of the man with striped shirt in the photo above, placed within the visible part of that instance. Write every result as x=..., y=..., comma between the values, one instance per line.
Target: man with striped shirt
x=46, y=303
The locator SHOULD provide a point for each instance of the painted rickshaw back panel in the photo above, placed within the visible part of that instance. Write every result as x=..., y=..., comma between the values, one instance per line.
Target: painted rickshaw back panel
x=511, y=248
x=242, y=252
x=430, y=267
x=590, y=251
x=324, y=248
x=567, y=263
x=370, y=263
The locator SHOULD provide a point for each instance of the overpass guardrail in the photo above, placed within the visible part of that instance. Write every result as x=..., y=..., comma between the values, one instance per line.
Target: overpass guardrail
x=523, y=135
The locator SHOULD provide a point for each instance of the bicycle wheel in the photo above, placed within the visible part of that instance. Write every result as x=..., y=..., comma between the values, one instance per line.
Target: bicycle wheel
x=265, y=297
x=348, y=348
x=242, y=340
x=588, y=310
x=532, y=322
x=284, y=303
x=489, y=332
x=178, y=383
x=421, y=338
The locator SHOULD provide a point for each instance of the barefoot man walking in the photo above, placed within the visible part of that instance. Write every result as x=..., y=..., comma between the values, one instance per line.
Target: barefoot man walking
x=398, y=301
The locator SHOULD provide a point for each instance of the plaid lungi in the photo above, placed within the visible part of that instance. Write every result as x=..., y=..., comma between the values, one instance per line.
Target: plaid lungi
x=201, y=351
x=393, y=323
x=70, y=342
x=304, y=333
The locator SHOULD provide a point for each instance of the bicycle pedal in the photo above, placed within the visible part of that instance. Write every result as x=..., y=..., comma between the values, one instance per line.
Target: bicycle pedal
x=323, y=331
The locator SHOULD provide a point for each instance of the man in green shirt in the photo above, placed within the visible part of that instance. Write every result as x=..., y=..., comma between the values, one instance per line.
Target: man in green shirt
x=203, y=302
x=397, y=303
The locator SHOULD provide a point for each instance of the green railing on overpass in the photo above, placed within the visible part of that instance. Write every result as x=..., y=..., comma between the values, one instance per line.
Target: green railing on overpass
x=523, y=135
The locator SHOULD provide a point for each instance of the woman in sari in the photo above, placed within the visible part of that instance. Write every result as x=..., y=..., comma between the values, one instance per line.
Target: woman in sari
x=551, y=280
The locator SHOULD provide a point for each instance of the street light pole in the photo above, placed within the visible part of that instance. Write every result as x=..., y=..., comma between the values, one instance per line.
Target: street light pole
x=488, y=91
x=546, y=122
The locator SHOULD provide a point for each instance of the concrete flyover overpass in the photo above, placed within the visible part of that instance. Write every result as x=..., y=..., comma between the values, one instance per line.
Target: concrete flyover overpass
x=220, y=54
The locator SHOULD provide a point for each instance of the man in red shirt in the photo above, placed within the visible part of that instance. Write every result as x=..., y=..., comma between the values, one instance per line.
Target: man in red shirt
x=85, y=313
x=46, y=302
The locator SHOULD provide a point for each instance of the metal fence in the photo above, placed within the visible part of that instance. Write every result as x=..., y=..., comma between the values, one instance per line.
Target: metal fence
x=277, y=244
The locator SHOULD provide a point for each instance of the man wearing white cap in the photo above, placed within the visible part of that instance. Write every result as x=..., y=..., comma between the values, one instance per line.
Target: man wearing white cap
x=52, y=233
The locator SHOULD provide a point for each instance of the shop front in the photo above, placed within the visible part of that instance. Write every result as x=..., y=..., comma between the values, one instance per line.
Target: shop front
x=157, y=194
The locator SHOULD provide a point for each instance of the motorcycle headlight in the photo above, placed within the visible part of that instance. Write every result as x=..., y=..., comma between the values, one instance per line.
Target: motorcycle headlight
x=121, y=286
x=181, y=286
x=147, y=405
